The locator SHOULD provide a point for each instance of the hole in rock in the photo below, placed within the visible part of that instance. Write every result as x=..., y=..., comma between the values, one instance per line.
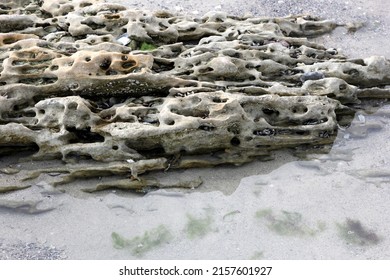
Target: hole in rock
x=22, y=150
x=235, y=141
x=352, y=72
x=314, y=121
x=342, y=87
x=69, y=51
x=111, y=17
x=172, y=20
x=129, y=64
x=162, y=26
x=258, y=68
x=197, y=113
x=16, y=48
x=4, y=7
x=29, y=114
x=46, y=45
x=191, y=29
x=9, y=40
x=87, y=59
x=84, y=135
x=18, y=62
x=232, y=53
x=205, y=70
x=36, y=70
x=358, y=61
x=234, y=128
x=152, y=153
x=311, y=55
x=312, y=27
x=207, y=127
x=115, y=147
x=219, y=100
x=73, y=86
x=20, y=106
x=72, y=106
x=38, y=81
x=299, y=109
x=169, y=122
x=85, y=4
x=94, y=25
x=163, y=14
x=111, y=72
x=292, y=132
x=221, y=29
x=85, y=117
x=270, y=112
x=105, y=64
x=325, y=134
x=264, y=132
x=159, y=66
x=76, y=156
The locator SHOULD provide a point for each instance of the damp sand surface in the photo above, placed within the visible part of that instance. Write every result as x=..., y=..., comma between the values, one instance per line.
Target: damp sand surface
x=323, y=206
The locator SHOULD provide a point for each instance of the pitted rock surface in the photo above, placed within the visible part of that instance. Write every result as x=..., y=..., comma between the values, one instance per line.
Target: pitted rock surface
x=115, y=91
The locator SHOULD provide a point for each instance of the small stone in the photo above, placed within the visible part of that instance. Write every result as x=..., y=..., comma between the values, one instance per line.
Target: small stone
x=54, y=174
x=312, y=76
x=9, y=170
x=124, y=39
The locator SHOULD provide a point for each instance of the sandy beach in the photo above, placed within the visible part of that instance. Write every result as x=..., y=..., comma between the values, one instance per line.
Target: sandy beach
x=321, y=206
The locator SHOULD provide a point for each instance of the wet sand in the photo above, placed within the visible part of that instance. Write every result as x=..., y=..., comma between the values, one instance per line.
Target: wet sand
x=331, y=206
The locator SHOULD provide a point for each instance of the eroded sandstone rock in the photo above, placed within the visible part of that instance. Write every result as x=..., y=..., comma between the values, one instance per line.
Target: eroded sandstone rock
x=115, y=91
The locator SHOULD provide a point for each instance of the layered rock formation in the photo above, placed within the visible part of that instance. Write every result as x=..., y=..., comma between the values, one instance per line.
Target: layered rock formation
x=116, y=91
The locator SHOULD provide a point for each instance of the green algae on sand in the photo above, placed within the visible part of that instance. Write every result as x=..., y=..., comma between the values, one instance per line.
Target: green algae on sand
x=355, y=233
x=198, y=227
x=288, y=223
x=142, y=244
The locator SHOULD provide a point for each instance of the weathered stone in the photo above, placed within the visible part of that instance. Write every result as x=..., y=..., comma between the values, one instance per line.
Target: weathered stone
x=115, y=91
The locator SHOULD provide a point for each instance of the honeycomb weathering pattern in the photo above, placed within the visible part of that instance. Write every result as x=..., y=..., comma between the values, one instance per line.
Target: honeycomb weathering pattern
x=133, y=91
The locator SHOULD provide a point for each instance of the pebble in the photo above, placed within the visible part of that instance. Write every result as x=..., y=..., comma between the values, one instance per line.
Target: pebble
x=54, y=174
x=123, y=39
x=9, y=170
x=361, y=118
x=312, y=76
